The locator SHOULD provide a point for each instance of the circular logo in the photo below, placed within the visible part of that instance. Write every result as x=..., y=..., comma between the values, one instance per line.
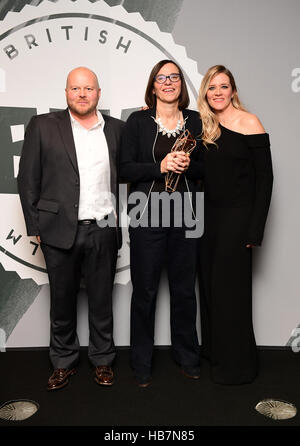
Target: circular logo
x=40, y=45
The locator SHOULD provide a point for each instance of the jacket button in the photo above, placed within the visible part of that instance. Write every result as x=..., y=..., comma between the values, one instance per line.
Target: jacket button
x=75, y=205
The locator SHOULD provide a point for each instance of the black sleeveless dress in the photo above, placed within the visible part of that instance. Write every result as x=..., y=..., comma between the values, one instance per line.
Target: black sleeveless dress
x=237, y=189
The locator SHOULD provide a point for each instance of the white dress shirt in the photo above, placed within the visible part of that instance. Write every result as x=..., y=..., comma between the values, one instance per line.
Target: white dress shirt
x=94, y=170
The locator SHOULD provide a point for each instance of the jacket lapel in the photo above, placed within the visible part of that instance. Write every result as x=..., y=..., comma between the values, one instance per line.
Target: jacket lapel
x=65, y=127
x=112, y=150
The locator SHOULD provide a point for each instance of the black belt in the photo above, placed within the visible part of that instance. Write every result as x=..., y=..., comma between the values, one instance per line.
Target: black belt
x=86, y=222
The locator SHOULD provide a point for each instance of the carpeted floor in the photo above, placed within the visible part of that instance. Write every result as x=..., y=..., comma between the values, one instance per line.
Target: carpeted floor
x=171, y=400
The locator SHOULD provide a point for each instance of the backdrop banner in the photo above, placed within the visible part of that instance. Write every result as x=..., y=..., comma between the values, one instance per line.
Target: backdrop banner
x=121, y=40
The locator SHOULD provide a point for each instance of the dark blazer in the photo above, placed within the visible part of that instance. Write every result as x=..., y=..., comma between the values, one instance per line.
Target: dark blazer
x=137, y=162
x=48, y=178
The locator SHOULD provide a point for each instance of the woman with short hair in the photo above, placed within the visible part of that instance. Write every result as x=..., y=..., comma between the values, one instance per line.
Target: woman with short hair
x=146, y=159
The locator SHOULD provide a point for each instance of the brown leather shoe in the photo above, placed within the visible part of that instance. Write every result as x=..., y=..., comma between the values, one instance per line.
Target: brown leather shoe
x=60, y=378
x=104, y=375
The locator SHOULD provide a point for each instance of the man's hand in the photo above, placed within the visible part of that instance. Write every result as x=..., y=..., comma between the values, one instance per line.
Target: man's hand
x=38, y=238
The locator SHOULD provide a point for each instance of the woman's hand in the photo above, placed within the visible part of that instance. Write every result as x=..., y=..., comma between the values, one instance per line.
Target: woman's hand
x=177, y=162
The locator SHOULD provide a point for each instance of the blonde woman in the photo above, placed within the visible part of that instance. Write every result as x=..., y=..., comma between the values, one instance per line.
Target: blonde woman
x=238, y=184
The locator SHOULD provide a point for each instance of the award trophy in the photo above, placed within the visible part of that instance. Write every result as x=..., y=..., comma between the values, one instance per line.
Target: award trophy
x=184, y=143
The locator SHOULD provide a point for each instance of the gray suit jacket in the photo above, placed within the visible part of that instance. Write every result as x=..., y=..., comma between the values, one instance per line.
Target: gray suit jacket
x=48, y=179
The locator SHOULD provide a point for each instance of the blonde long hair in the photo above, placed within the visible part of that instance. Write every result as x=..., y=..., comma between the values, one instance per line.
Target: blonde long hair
x=210, y=123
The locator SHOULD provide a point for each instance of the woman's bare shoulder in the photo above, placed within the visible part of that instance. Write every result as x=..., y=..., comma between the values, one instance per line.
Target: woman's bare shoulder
x=250, y=124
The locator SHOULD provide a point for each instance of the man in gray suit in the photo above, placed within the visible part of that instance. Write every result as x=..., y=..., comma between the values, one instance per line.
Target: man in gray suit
x=68, y=188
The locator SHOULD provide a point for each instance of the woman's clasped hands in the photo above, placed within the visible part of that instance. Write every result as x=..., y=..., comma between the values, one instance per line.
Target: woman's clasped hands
x=177, y=162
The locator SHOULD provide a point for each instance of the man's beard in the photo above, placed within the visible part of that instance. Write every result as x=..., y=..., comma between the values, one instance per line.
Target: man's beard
x=82, y=112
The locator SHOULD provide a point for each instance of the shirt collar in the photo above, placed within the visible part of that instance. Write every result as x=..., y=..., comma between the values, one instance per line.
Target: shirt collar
x=100, y=122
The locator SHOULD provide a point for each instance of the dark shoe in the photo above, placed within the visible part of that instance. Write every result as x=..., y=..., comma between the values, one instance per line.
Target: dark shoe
x=104, y=375
x=191, y=372
x=143, y=381
x=60, y=378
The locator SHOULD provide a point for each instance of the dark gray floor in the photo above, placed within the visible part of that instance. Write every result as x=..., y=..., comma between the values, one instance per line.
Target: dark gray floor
x=171, y=400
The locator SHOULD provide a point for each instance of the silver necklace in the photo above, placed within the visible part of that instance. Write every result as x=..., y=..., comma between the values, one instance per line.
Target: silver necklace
x=162, y=129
